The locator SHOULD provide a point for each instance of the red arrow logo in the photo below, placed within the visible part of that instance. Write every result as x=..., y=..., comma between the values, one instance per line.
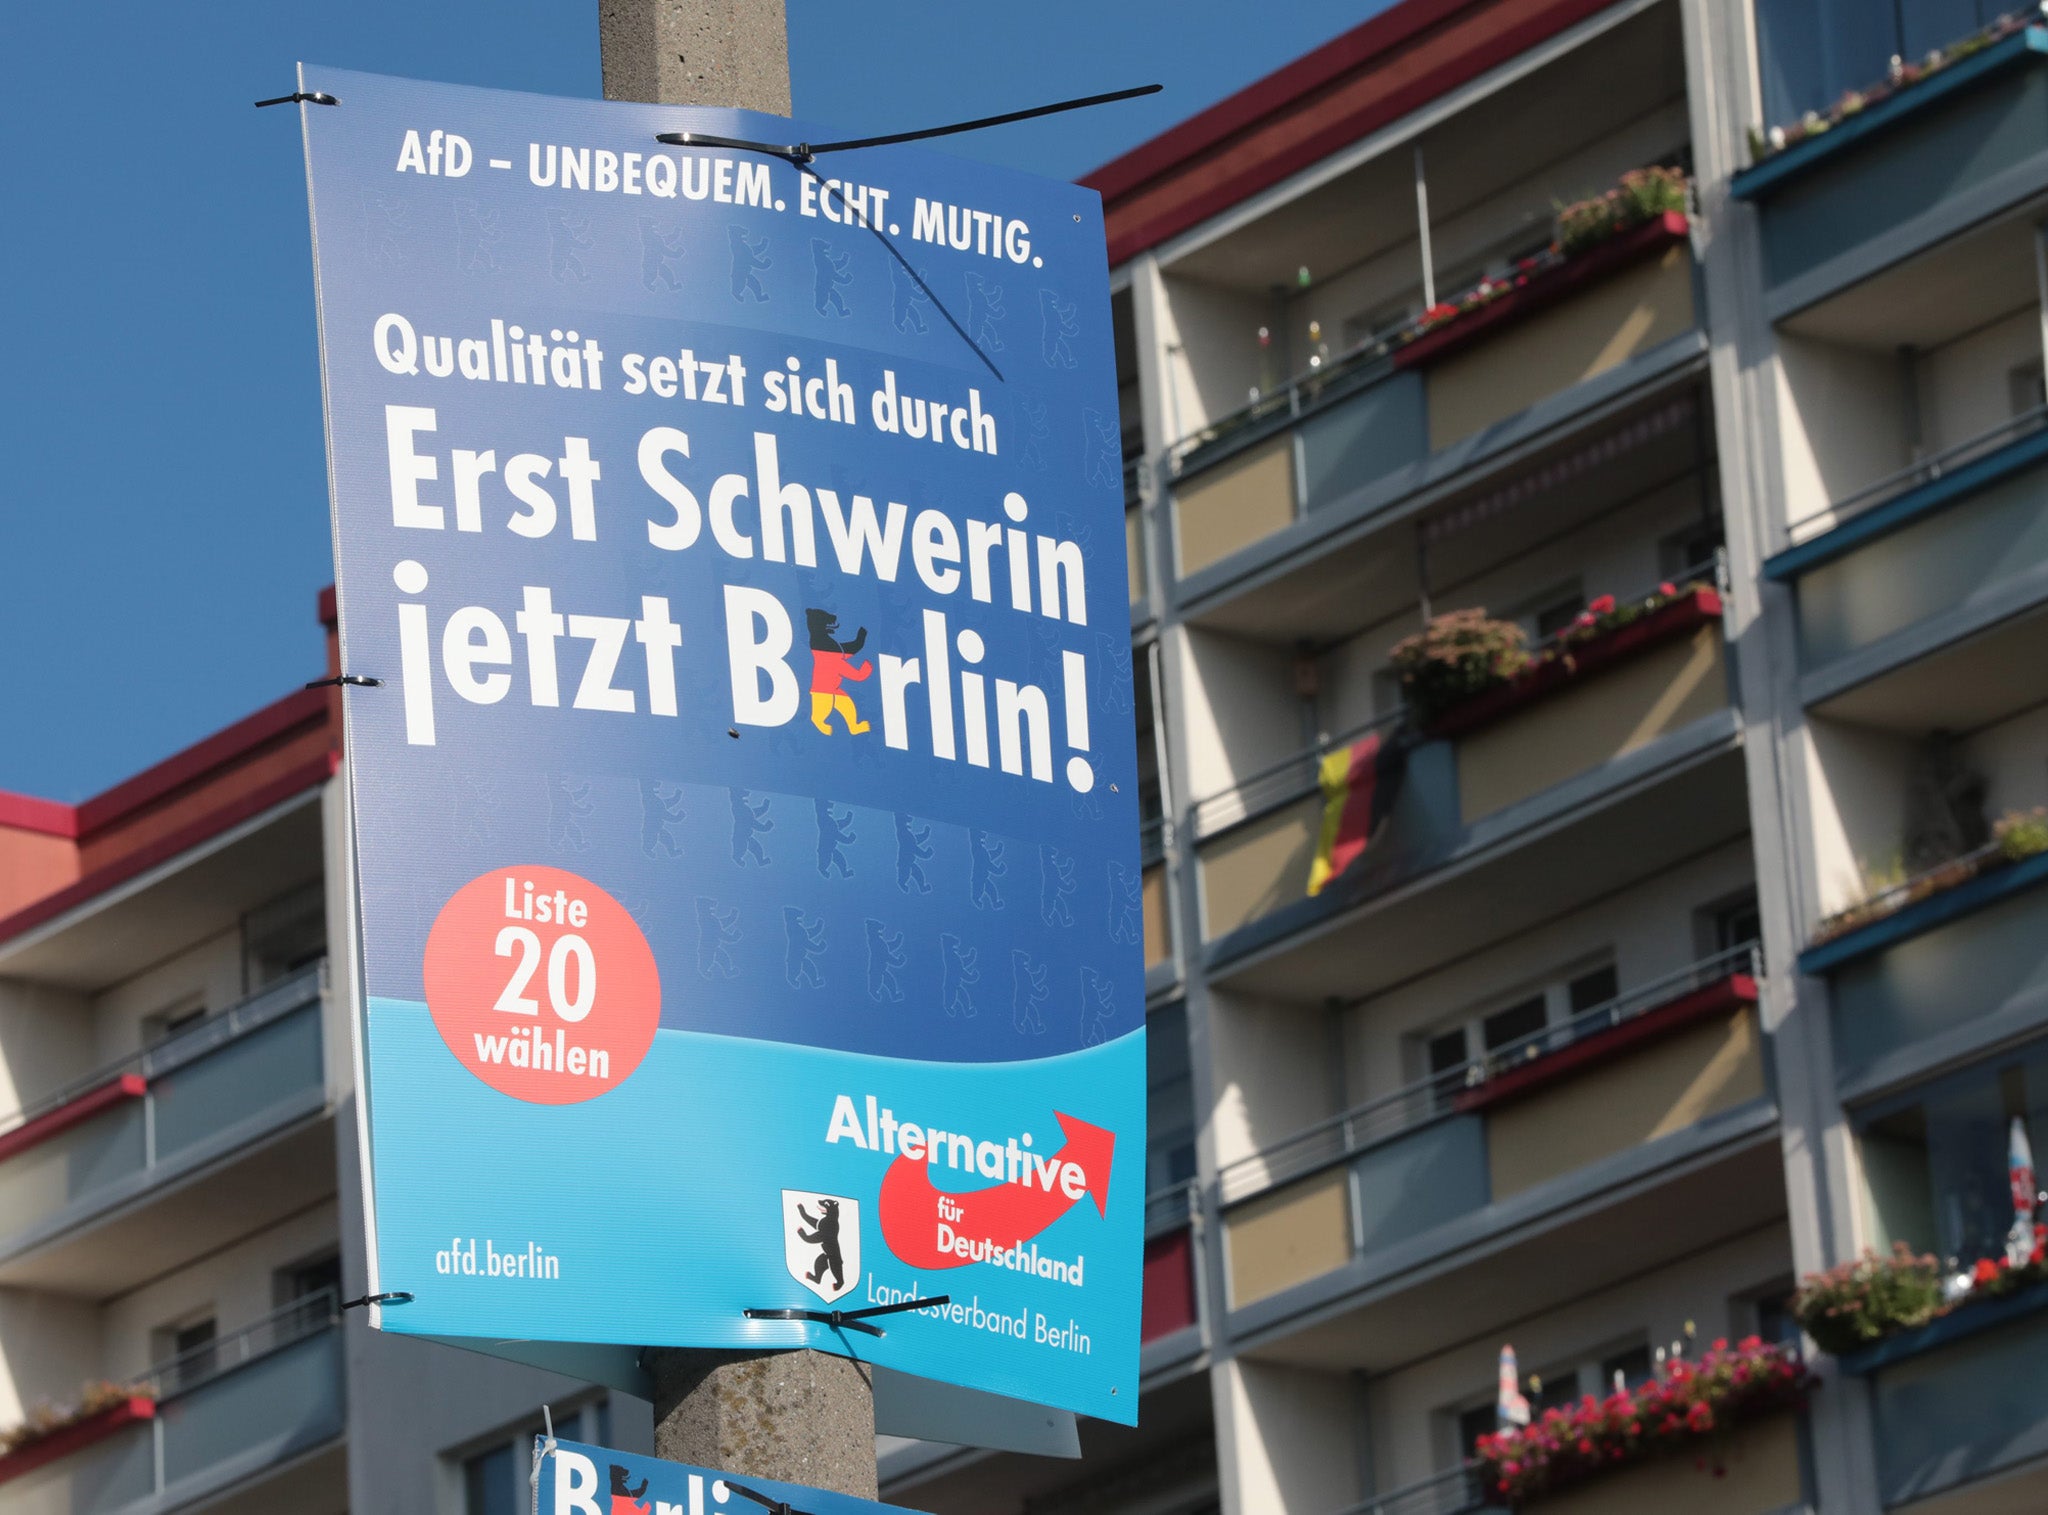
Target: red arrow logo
x=929, y=1228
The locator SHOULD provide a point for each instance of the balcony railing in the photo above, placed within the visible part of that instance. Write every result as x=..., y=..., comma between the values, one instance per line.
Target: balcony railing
x=1173, y=1208
x=225, y=1413
x=1928, y=470
x=1293, y=777
x=1451, y=1492
x=108, y=1136
x=1443, y=1095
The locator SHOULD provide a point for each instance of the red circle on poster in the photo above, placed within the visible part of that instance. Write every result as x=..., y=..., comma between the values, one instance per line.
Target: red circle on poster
x=542, y=985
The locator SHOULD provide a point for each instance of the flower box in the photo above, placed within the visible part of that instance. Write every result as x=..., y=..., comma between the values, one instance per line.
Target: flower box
x=1965, y=1319
x=1719, y=998
x=1578, y=660
x=1680, y=1411
x=34, y=1132
x=66, y=1437
x=1515, y=301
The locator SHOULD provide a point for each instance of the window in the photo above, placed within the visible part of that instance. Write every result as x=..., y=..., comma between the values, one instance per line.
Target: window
x=165, y=1024
x=1546, y=614
x=1690, y=553
x=313, y=1285
x=1934, y=1159
x=283, y=936
x=1170, y=1093
x=495, y=1481
x=186, y=1349
x=1810, y=52
x=1732, y=923
x=1543, y=1008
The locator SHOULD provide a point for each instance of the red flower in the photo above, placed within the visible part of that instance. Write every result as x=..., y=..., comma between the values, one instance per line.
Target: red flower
x=1985, y=1272
x=1602, y=606
x=1700, y=1417
x=1670, y=592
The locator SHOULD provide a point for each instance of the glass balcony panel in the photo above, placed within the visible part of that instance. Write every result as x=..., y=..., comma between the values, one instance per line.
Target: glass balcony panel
x=40, y=1182
x=100, y=1479
x=1960, y=1411
x=261, y=1071
x=1420, y=1180
x=1363, y=440
x=257, y=1414
x=1940, y=563
x=1993, y=960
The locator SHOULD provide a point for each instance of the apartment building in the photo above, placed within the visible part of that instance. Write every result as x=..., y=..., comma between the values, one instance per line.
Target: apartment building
x=1705, y=951
x=179, y=1220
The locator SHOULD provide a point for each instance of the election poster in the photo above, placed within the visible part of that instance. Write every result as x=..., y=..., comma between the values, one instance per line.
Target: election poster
x=730, y=555
x=573, y=1479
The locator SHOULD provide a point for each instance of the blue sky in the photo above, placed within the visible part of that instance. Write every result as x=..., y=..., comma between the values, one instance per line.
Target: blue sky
x=163, y=530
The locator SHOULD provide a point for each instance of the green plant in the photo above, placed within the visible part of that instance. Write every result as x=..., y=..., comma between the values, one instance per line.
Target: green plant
x=1858, y=1302
x=1641, y=195
x=2021, y=834
x=1457, y=655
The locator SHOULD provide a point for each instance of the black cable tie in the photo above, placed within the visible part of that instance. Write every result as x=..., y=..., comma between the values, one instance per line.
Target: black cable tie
x=803, y=152
x=855, y=1320
x=309, y=96
x=779, y=1506
x=340, y=679
x=391, y=1297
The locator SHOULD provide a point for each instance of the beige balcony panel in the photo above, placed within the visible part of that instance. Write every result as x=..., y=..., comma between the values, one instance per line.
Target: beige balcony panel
x=1279, y=1240
x=1158, y=921
x=1134, y=554
x=1234, y=504
x=1583, y=725
x=1762, y=1463
x=1663, y=1087
x=1600, y=328
x=1260, y=866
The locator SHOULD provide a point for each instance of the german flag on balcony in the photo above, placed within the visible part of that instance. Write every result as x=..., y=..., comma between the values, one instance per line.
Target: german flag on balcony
x=1359, y=783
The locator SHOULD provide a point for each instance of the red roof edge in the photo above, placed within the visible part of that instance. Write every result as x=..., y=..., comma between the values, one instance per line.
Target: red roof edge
x=25, y=812
x=329, y=615
x=244, y=806
x=1263, y=97
x=299, y=708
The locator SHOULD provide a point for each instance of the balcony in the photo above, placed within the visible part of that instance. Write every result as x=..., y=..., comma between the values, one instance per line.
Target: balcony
x=1379, y=423
x=1920, y=602
x=1385, y=1179
x=219, y=1113
x=1625, y=724
x=241, y=1414
x=1948, y=972
x=1945, y=1417
x=1903, y=173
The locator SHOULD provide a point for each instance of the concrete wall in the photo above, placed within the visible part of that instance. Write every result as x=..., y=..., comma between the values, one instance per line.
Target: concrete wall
x=1965, y=385
x=1294, y=1434
x=1842, y=416
x=1219, y=360
x=2012, y=757
x=49, y=1347
x=45, y=1042
x=1238, y=708
x=1856, y=781
x=1274, y=1070
x=207, y=974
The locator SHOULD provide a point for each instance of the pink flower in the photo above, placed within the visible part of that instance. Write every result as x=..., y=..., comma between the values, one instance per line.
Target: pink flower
x=1602, y=606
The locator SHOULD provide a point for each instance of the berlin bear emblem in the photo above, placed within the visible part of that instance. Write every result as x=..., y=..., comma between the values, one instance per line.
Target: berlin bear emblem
x=821, y=1242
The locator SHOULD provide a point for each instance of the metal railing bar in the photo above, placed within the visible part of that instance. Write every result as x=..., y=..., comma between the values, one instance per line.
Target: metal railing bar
x=285, y=1326
x=1928, y=469
x=215, y=1031
x=1428, y=1100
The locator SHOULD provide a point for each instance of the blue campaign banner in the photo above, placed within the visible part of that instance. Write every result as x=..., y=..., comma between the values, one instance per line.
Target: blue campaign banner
x=746, y=815
x=573, y=1479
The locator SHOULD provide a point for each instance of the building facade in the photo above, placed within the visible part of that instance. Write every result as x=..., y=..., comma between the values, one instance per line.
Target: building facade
x=180, y=1222
x=1693, y=346
x=1703, y=953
